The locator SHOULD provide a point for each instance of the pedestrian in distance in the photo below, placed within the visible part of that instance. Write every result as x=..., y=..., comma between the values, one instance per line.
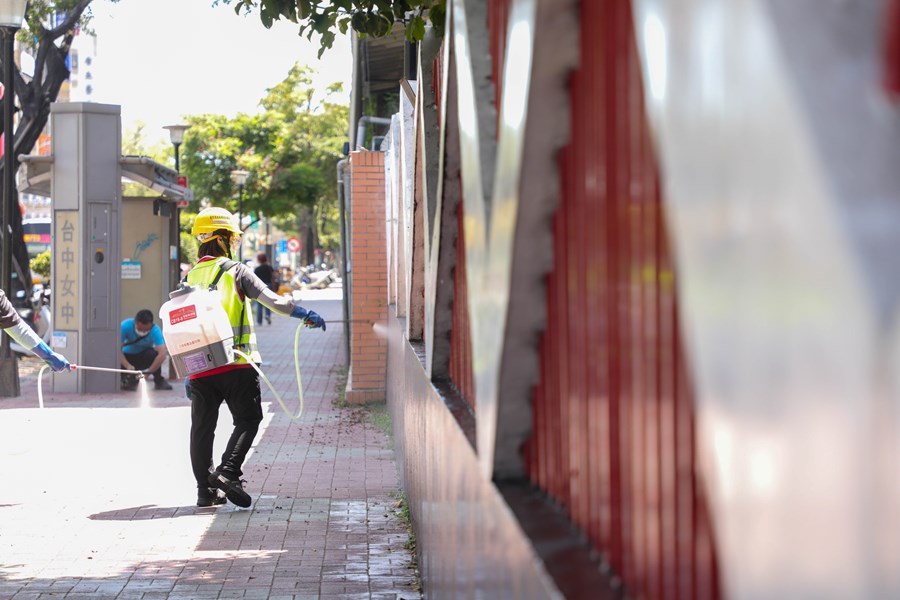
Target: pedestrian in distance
x=143, y=349
x=268, y=276
x=17, y=329
x=237, y=383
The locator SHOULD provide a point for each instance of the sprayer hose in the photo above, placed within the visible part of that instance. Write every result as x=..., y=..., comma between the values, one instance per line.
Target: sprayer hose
x=296, y=369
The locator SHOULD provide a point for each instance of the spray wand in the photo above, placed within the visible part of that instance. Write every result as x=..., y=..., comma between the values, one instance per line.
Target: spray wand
x=366, y=321
x=140, y=375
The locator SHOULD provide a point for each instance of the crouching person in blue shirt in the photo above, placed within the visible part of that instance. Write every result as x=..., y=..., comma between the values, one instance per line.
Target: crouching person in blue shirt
x=143, y=349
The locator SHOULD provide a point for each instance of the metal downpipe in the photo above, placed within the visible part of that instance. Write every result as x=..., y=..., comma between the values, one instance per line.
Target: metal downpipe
x=345, y=250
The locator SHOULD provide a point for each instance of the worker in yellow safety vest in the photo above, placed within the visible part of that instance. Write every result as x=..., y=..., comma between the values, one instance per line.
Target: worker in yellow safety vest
x=236, y=383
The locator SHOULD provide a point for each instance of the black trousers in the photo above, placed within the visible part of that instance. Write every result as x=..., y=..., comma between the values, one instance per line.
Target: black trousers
x=239, y=388
x=141, y=361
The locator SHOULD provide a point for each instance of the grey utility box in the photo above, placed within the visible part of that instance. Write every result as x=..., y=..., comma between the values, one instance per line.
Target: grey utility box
x=86, y=201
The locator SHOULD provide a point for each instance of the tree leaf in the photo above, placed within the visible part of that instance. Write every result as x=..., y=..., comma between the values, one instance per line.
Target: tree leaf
x=304, y=8
x=385, y=7
x=360, y=22
x=437, y=14
x=328, y=39
x=416, y=28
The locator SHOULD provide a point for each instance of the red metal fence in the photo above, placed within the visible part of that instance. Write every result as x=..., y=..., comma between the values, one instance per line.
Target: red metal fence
x=460, y=343
x=498, y=17
x=613, y=432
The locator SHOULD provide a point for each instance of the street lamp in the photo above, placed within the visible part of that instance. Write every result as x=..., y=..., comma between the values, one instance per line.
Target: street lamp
x=176, y=136
x=239, y=176
x=12, y=14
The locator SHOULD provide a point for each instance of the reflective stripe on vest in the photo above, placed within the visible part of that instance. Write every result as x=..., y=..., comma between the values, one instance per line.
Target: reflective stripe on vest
x=238, y=310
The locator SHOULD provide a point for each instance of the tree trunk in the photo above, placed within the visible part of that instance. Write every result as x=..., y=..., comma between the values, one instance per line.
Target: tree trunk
x=35, y=98
x=306, y=227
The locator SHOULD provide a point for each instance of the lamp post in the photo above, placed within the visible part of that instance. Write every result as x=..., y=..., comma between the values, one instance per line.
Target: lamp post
x=239, y=176
x=12, y=14
x=176, y=136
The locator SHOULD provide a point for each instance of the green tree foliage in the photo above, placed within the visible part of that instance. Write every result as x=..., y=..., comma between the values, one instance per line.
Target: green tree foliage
x=290, y=149
x=366, y=17
x=40, y=265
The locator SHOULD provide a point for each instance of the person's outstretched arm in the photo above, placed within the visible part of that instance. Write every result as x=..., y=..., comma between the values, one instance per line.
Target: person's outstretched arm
x=18, y=330
x=255, y=288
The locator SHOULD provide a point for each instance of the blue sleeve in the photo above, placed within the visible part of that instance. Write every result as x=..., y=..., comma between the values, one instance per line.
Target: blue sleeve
x=125, y=330
x=156, y=336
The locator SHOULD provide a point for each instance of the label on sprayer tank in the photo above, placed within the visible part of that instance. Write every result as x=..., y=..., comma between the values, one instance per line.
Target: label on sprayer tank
x=197, y=331
x=180, y=315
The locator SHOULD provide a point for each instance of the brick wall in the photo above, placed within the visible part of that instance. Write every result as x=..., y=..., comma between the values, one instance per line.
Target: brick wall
x=368, y=279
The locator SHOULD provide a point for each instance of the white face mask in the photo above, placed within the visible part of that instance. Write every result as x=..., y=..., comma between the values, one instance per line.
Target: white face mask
x=142, y=334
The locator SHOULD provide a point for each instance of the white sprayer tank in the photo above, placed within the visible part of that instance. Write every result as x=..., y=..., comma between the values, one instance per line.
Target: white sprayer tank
x=197, y=331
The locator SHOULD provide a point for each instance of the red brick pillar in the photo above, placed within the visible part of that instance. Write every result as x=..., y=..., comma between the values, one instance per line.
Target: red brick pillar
x=368, y=279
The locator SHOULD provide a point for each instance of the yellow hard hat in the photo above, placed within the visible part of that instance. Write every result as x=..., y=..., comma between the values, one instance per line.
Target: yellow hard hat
x=211, y=220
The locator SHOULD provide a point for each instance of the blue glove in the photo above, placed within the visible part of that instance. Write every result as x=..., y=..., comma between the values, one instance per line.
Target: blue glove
x=56, y=361
x=310, y=317
x=313, y=320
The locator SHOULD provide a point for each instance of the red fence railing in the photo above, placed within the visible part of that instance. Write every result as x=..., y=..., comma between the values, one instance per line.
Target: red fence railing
x=460, y=341
x=613, y=429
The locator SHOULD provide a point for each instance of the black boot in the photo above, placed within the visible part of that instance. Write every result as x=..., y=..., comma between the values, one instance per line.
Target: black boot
x=207, y=496
x=232, y=486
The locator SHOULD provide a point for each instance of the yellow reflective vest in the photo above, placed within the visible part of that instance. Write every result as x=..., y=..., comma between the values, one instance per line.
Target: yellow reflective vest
x=236, y=305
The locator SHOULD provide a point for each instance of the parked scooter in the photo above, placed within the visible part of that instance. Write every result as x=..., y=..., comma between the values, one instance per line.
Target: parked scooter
x=321, y=279
x=309, y=279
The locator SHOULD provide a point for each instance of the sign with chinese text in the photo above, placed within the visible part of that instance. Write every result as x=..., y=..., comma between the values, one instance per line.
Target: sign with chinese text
x=66, y=266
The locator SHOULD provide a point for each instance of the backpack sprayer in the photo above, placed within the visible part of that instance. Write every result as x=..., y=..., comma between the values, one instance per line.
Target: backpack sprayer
x=197, y=330
x=199, y=336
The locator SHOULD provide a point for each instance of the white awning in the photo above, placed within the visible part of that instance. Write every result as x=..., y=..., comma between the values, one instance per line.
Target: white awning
x=140, y=169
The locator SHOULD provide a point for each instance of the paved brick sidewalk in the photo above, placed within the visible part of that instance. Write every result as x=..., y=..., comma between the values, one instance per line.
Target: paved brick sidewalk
x=98, y=499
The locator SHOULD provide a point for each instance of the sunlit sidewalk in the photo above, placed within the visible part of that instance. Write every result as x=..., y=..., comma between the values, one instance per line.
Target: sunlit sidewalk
x=98, y=496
